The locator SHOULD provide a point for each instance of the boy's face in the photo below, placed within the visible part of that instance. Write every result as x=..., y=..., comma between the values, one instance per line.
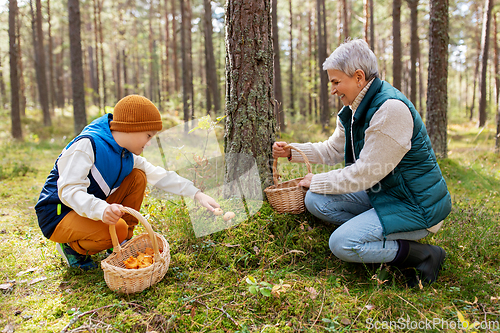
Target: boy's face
x=135, y=142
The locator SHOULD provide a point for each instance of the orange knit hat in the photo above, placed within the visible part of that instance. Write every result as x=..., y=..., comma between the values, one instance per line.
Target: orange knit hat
x=134, y=113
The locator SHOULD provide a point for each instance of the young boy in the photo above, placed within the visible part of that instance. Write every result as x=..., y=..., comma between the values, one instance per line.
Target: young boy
x=99, y=172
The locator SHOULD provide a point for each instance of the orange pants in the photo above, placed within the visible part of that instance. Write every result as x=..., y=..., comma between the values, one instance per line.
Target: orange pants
x=87, y=236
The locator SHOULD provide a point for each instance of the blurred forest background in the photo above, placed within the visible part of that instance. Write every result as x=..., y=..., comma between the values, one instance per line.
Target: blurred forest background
x=174, y=52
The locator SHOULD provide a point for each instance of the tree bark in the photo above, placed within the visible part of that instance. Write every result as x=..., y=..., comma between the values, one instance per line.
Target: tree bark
x=166, y=77
x=497, y=83
x=187, y=98
x=437, y=86
x=52, y=89
x=372, y=26
x=97, y=93
x=3, y=91
x=345, y=16
x=292, y=97
x=279, y=113
x=40, y=67
x=211, y=71
x=414, y=49
x=324, y=106
x=77, y=80
x=15, y=116
x=20, y=69
x=397, y=66
x=485, y=42
x=250, y=123
x=175, y=59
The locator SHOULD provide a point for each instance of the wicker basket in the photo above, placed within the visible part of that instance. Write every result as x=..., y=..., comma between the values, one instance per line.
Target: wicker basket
x=287, y=197
x=128, y=281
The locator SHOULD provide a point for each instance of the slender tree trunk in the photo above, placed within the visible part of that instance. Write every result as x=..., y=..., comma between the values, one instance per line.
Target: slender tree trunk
x=366, y=23
x=187, y=26
x=420, y=85
x=103, y=71
x=279, y=113
x=488, y=5
x=3, y=91
x=310, y=57
x=211, y=72
x=125, y=80
x=372, y=26
x=40, y=67
x=97, y=93
x=324, y=107
x=52, y=89
x=20, y=69
x=15, y=116
x=151, y=52
x=186, y=91
x=397, y=66
x=437, y=86
x=250, y=124
x=118, y=70
x=345, y=16
x=414, y=49
x=60, y=76
x=174, y=55
x=497, y=83
x=292, y=97
x=166, y=77
x=77, y=86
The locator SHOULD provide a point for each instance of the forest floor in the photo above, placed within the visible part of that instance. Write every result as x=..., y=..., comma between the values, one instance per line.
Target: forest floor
x=210, y=281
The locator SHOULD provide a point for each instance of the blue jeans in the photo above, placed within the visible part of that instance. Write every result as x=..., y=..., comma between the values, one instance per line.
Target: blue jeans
x=359, y=237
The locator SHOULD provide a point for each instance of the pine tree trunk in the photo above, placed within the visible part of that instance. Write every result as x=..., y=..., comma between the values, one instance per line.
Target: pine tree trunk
x=166, y=77
x=345, y=16
x=118, y=70
x=211, y=72
x=485, y=42
x=397, y=66
x=52, y=94
x=125, y=80
x=250, y=122
x=279, y=113
x=186, y=90
x=103, y=71
x=40, y=67
x=414, y=49
x=497, y=83
x=77, y=80
x=97, y=93
x=372, y=26
x=3, y=92
x=151, y=94
x=324, y=106
x=20, y=69
x=291, y=77
x=174, y=44
x=437, y=86
x=14, y=79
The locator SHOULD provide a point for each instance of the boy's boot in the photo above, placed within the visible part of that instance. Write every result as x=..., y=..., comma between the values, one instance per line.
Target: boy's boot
x=419, y=262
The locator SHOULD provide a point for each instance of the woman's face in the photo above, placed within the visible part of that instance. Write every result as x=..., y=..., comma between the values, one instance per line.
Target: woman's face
x=344, y=86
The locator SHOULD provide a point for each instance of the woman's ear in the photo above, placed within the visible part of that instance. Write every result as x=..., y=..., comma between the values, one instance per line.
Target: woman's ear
x=359, y=74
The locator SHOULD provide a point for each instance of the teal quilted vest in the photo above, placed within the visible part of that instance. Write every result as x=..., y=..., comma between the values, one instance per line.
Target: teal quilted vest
x=414, y=195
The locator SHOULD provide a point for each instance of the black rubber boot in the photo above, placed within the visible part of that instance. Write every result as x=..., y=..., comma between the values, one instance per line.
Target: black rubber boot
x=419, y=262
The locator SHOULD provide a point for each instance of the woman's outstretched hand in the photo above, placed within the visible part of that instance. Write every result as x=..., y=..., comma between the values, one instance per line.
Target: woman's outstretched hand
x=306, y=182
x=280, y=151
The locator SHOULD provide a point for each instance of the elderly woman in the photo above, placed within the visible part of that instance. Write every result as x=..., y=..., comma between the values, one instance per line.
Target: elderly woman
x=390, y=193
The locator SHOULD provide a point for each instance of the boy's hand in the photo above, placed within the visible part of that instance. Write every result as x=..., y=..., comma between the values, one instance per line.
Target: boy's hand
x=206, y=201
x=112, y=214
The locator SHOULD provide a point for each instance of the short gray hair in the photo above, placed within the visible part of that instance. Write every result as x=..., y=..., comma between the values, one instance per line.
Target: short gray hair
x=353, y=55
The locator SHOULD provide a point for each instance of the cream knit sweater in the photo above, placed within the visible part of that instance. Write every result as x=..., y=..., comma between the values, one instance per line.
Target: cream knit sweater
x=387, y=140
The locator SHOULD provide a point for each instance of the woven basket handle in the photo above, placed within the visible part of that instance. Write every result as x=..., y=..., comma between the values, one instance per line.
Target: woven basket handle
x=136, y=214
x=276, y=175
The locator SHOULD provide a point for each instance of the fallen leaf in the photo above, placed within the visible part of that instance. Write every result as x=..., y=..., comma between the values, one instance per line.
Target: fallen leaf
x=312, y=292
x=5, y=286
x=9, y=328
x=37, y=280
x=345, y=321
x=29, y=270
x=370, y=307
